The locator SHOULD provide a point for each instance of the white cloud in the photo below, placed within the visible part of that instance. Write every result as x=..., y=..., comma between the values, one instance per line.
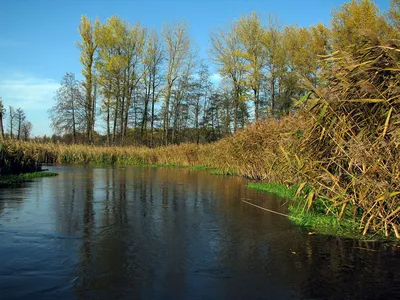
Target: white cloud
x=27, y=92
x=216, y=79
x=33, y=94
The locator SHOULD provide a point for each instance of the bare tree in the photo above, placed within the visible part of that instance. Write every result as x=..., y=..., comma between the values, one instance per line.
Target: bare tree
x=153, y=58
x=11, y=121
x=68, y=113
x=20, y=118
x=26, y=130
x=2, y=114
x=177, y=48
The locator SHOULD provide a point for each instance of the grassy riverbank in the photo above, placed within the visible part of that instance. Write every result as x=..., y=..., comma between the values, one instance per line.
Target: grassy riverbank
x=316, y=219
x=320, y=217
x=7, y=181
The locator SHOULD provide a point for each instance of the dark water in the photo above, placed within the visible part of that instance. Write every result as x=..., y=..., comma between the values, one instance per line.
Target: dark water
x=153, y=233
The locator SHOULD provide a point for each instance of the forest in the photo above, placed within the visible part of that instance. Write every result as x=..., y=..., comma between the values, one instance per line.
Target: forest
x=314, y=108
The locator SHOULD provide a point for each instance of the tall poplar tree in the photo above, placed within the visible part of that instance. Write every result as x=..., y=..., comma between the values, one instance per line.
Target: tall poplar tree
x=251, y=33
x=177, y=51
x=87, y=46
x=225, y=51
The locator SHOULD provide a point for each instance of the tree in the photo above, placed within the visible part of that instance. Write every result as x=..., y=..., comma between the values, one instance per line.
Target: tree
x=394, y=17
x=26, y=130
x=275, y=60
x=181, y=95
x=203, y=87
x=2, y=114
x=177, y=50
x=152, y=61
x=68, y=112
x=225, y=51
x=356, y=22
x=88, y=48
x=20, y=118
x=304, y=49
x=133, y=46
x=119, y=66
x=11, y=121
x=108, y=68
x=251, y=32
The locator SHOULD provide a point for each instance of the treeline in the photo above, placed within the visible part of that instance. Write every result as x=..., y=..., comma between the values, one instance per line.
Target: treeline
x=17, y=125
x=146, y=88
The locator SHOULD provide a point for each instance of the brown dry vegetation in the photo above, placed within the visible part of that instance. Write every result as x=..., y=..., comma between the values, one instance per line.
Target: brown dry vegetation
x=343, y=142
x=350, y=149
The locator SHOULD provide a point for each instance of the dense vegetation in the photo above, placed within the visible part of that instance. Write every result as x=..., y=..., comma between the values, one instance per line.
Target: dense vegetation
x=339, y=143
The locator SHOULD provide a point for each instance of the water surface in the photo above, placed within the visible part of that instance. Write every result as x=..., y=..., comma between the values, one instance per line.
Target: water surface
x=159, y=233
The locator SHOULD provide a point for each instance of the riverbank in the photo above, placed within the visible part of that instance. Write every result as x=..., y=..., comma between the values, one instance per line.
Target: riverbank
x=318, y=218
x=7, y=181
x=308, y=211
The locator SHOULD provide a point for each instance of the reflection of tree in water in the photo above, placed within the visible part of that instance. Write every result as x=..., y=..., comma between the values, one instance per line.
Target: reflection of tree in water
x=103, y=260
x=11, y=200
x=67, y=194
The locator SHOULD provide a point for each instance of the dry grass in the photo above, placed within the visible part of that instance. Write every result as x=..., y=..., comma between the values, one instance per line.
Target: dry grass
x=351, y=144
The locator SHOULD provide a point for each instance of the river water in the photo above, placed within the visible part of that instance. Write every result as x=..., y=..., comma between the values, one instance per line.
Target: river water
x=162, y=233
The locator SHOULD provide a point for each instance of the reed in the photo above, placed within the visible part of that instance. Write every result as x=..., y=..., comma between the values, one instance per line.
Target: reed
x=15, y=159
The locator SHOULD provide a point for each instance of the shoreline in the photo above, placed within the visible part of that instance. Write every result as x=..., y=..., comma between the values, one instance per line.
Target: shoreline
x=10, y=181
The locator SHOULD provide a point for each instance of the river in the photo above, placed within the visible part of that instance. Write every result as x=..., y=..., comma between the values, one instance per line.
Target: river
x=165, y=233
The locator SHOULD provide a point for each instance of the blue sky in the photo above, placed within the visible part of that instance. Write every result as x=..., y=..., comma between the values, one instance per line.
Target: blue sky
x=37, y=38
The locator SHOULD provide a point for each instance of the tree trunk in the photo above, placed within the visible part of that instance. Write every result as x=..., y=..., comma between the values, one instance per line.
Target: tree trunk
x=197, y=121
x=89, y=109
x=93, y=110
x=19, y=128
x=122, y=118
x=145, y=112
x=125, y=88
x=153, y=100
x=235, y=114
x=115, y=121
x=272, y=91
x=1, y=126
x=73, y=125
x=175, y=125
x=166, y=115
x=256, y=104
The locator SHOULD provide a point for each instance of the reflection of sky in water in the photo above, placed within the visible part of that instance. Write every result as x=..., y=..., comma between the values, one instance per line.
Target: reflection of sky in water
x=172, y=233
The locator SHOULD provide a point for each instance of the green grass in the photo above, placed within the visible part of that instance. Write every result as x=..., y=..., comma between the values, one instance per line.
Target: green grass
x=277, y=189
x=199, y=168
x=316, y=219
x=321, y=223
x=15, y=180
x=212, y=171
x=223, y=172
